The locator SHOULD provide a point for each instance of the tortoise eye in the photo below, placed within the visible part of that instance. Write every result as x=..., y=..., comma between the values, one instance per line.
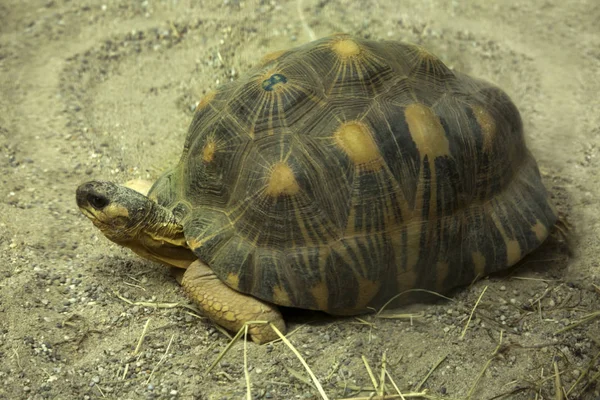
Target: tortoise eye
x=97, y=201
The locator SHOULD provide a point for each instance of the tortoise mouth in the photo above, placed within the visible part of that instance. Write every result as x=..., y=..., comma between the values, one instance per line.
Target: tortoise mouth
x=88, y=195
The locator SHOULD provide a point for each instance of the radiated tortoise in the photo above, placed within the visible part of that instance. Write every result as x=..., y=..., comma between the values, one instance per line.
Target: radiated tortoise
x=334, y=176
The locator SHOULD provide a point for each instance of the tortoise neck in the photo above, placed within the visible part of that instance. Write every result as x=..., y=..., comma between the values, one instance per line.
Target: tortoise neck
x=161, y=238
x=161, y=224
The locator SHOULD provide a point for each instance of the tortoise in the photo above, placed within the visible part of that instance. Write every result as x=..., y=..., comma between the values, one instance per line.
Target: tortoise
x=335, y=176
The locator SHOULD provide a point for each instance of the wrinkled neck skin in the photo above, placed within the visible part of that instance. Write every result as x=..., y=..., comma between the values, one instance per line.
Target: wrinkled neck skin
x=160, y=238
x=160, y=224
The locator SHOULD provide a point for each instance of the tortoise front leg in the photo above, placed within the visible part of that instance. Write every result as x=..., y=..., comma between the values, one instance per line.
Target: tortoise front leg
x=228, y=308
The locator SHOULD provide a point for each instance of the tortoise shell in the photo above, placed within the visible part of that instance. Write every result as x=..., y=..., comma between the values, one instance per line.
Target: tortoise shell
x=340, y=173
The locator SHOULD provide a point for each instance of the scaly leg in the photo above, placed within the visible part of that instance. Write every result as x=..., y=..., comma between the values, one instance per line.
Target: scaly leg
x=229, y=308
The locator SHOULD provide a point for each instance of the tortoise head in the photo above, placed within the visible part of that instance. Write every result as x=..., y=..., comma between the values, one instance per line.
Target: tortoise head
x=119, y=212
x=131, y=219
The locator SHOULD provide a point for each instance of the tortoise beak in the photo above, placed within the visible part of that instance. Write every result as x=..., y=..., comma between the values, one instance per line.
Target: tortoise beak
x=90, y=195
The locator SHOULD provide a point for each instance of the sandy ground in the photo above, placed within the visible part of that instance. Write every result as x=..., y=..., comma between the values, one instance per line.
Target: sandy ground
x=105, y=90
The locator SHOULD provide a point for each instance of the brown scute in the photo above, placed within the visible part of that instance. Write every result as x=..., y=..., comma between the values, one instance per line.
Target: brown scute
x=426, y=66
x=346, y=48
x=206, y=230
x=357, y=141
x=426, y=130
x=320, y=293
x=511, y=246
x=367, y=290
x=513, y=252
x=423, y=55
x=479, y=263
x=282, y=181
x=208, y=153
x=281, y=296
x=487, y=124
x=206, y=100
x=275, y=100
x=269, y=79
x=267, y=58
x=233, y=280
x=540, y=230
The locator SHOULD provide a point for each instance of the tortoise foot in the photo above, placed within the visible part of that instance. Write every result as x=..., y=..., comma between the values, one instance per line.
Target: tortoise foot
x=229, y=308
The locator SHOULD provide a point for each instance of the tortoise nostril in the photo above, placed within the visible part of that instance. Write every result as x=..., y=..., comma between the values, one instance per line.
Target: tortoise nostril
x=97, y=201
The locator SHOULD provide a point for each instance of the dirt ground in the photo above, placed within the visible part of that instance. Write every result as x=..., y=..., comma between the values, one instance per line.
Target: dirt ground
x=106, y=89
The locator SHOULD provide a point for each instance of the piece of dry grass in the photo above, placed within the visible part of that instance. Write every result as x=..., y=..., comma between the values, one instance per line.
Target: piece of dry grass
x=142, y=336
x=390, y=301
x=407, y=316
x=412, y=395
x=246, y=372
x=302, y=361
x=584, y=320
x=125, y=371
x=382, y=375
x=135, y=286
x=584, y=373
x=161, y=359
x=369, y=372
x=379, y=388
x=296, y=374
x=226, y=349
x=154, y=304
x=394, y=385
x=16, y=357
x=487, y=364
x=437, y=364
x=526, y=278
x=558, y=388
x=100, y=390
x=591, y=382
x=283, y=338
x=472, y=312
